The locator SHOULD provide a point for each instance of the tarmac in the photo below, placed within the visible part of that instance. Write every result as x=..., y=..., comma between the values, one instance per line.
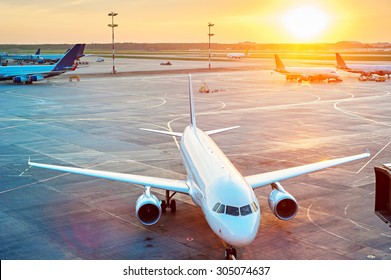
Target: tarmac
x=95, y=123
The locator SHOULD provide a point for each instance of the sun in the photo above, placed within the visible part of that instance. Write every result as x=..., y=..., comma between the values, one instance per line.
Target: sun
x=306, y=22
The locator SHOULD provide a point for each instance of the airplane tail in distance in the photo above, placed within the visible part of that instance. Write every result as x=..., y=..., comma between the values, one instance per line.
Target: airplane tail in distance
x=340, y=62
x=80, y=53
x=192, y=119
x=67, y=62
x=279, y=65
x=38, y=52
x=192, y=109
x=246, y=52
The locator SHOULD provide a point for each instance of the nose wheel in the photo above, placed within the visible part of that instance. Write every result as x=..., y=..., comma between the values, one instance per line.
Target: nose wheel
x=169, y=203
x=230, y=253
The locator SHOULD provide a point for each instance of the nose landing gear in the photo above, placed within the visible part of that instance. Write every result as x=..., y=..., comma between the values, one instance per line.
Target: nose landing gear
x=230, y=253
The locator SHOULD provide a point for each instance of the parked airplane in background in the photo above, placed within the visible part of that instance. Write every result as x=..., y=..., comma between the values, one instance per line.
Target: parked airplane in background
x=21, y=57
x=32, y=73
x=226, y=198
x=237, y=55
x=37, y=57
x=306, y=73
x=362, y=69
x=53, y=58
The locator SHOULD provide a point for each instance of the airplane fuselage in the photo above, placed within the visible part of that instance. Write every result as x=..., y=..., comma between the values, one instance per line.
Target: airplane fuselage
x=367, y=70
x=7, y=72
x=236, y=55
x=325, y=72
x=226, y=199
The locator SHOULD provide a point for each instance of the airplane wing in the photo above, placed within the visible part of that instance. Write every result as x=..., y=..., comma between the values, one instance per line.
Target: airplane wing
x=159, y=183
x=260, y=180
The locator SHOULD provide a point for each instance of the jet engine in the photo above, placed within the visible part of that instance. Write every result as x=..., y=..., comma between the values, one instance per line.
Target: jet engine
x=20, y=79
x=282, y=203
x=148, y=209
x=34, y=78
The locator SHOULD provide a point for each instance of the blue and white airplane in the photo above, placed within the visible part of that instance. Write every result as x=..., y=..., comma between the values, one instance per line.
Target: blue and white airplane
x=226, y=197
x=32, y=73
x=22, y=57
x=37, y=57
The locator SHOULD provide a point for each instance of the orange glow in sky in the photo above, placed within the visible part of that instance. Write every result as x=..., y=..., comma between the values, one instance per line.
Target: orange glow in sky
x=305, y=22
x=274, y=21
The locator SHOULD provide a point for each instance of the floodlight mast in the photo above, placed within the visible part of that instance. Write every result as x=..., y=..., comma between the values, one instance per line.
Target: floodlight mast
x=210, y=35
x=112, y=25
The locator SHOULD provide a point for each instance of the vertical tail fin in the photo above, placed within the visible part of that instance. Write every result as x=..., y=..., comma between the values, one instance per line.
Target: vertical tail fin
x=80, y=53
x=66, y=63
x=191, y=99
x=38, y=52
x=279, y=65
x=340, y=62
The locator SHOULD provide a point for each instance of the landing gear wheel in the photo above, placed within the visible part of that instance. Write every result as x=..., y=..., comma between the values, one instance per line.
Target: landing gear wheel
x=168, y=203
x=230, y=253
x=173, y=206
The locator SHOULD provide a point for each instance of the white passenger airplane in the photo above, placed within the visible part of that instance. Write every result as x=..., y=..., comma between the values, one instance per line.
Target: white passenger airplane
x=32, y=73
x=306, y=73
x=226, y=198
x=362, y=69
x=237, y=55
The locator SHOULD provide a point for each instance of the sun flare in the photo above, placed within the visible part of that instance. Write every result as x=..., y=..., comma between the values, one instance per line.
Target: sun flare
x=305, y=23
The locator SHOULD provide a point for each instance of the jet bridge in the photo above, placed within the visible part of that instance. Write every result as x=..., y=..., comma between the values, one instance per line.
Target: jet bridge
x=383, y=193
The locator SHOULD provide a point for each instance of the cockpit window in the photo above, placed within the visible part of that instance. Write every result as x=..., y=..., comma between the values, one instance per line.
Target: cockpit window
x=221, y=209
x=216, y=206
x=245, y=210
x=233, y=211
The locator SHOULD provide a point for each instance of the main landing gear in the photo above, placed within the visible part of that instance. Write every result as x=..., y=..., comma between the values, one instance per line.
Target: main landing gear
x=168, y=203
x=230, y=253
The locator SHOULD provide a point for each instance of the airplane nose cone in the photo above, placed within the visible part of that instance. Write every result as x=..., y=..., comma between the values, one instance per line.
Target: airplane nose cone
x=241, y=231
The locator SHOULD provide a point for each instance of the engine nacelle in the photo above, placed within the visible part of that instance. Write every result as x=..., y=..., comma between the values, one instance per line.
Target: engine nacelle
x=283, y=205
x=34, y=78
x=148, y=209
x=20, y=79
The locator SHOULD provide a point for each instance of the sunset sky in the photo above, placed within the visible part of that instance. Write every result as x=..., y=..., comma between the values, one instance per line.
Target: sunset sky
x=273, y=21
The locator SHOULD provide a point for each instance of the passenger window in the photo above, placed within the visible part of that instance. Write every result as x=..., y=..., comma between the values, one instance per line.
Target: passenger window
x=221, y=209
x=245, y=210
x=216, y=206
x=233, y=211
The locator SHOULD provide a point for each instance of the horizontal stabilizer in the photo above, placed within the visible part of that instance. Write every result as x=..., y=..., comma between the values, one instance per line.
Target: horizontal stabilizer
x=211, y=132
x=171, y=133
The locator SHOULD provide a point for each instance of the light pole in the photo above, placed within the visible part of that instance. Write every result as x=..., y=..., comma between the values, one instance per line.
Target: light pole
x=112, y=25
x=210, y=35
